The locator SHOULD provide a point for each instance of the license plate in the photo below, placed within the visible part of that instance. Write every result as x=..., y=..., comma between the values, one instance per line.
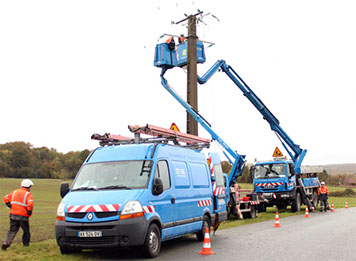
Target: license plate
x=268, y=187
x=267, y=195
x=90, y=234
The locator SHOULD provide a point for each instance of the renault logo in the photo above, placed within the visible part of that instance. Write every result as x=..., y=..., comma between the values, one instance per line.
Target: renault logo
x=90, y=216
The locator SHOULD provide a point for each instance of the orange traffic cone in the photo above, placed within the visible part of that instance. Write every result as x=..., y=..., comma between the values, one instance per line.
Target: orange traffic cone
x=276, y=222
x=332, y=207
x=346, y=205
x=207, y=246
x=306, y=212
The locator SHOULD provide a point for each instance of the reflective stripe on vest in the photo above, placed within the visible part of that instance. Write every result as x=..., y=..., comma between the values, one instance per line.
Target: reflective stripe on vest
x=20, y=203
x=25, y=197
x=13, y=195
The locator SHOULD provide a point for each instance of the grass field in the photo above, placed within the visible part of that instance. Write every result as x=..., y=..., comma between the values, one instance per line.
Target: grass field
x=46, y=197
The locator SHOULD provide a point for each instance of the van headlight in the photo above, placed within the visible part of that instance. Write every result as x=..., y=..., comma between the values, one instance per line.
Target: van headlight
x=60, y=211
x=132, y=209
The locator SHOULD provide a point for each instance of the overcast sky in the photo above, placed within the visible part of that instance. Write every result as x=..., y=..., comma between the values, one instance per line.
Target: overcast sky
x=69, y=69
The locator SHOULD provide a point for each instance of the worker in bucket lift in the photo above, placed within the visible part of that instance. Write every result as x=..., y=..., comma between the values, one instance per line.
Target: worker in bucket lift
x=20, y=202
x=323, y=194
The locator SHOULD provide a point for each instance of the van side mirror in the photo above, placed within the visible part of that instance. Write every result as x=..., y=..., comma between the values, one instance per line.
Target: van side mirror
x=252, y=170
x=64, y=189
x=157, y=187
x=292, y=170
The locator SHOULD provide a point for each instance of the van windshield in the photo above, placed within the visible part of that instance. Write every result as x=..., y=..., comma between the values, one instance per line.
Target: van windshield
x=266, y=171
x=113, y=175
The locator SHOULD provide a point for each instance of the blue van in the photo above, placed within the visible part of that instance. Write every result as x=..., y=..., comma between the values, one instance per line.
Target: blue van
x=139, y=195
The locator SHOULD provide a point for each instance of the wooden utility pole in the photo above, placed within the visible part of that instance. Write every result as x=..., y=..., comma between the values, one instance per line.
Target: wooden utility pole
x=192, y=90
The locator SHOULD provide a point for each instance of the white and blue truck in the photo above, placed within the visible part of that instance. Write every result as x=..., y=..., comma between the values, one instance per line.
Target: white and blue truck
x=279, y=183
x=141, y=191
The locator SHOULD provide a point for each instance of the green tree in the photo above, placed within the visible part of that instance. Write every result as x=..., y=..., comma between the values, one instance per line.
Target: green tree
x=226, y=167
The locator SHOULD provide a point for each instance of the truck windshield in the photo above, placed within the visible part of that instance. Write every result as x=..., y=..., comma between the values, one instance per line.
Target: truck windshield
x=266, y=171
x=113, y=175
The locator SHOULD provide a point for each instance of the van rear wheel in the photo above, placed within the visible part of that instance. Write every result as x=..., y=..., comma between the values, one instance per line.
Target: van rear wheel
x=206, y=224
x=152, y=245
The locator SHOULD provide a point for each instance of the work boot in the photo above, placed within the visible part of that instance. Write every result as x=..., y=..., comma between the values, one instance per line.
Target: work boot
x=4, y=246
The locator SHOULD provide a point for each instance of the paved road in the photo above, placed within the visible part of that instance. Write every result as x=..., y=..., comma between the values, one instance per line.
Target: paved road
x=323, y=236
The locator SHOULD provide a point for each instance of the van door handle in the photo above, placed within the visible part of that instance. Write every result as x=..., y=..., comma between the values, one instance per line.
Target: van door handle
x=173, y=200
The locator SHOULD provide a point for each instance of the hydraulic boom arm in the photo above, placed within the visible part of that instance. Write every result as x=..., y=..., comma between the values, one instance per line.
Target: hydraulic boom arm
x=238, y=160
x=298, y=154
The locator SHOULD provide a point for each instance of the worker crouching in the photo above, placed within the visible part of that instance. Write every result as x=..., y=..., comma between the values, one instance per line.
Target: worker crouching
x=20, y=202
x=323, y=194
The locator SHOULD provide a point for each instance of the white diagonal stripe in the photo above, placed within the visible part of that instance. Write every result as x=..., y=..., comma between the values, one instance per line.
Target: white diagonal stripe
x=74, y=208
x=97, y=208
x=85, y=208
x=110, y=207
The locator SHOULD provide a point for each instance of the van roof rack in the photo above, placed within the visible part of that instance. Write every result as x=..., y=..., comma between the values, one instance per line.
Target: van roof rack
x=159, y=135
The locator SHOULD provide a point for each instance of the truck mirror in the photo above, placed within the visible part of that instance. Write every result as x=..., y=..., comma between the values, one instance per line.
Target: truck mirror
x=252, y=169
x=64, y=189
x=157, y=186
x=292, y=170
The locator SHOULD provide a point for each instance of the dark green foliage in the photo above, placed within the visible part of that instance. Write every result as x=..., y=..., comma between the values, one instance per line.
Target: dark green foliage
x=346, y=193
x=22, y=160
x=337, y=180
x=226, y=167
x=244, y=178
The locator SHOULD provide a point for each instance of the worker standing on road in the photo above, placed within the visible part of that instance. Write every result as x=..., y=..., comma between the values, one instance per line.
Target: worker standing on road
x=20, y=202
x=323, y=194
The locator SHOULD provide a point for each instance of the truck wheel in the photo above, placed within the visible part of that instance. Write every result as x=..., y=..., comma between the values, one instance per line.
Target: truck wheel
x=315, y=199
x=253, y=212
x=201, y=233
x=152, y=245
x=262, y=207
x=296, y=203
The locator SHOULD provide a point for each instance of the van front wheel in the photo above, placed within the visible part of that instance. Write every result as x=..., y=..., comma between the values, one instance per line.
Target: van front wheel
x=152, y=245
x=201, y=233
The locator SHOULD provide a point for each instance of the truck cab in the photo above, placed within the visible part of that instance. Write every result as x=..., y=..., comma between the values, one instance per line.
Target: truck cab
x=277, y=182
x=274, y=179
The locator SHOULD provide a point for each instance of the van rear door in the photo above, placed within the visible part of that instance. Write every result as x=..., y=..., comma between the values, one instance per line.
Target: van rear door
x=218, y=186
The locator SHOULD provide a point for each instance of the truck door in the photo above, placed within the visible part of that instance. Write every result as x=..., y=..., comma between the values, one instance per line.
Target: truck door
x=164, y=203
x=218, y=185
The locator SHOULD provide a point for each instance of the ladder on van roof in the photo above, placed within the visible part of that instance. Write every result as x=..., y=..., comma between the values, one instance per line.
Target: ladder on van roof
x=159, y=135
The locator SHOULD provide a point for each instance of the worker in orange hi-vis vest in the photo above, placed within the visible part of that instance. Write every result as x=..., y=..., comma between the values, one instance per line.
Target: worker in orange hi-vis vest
x=323, y=194
x=20, y=201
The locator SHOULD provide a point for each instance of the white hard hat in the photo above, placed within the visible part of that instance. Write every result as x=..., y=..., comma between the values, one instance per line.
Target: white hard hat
x=26, y=183
x=322, y=183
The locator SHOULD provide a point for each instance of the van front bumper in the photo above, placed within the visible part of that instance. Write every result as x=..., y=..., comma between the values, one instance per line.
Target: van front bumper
x=127, y=232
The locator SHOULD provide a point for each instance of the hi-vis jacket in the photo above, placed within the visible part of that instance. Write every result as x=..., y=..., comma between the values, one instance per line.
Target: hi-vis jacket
x=21, y=201
x=323, y=190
